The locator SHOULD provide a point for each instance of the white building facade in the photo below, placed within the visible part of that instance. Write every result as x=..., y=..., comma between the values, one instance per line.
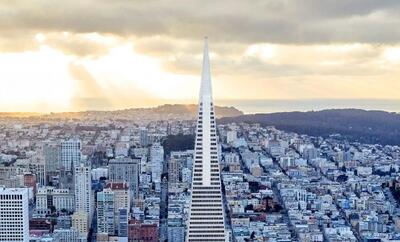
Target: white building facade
x=14, y=214
x=84, y=200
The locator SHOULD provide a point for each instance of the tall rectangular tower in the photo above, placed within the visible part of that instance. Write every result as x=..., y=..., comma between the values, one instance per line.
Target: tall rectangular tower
x=125, y=170
x=83, y=191
x=156, y=160
x=105, y=212
x=206, y=216
x=52, y=156
x=70, y=154
x=14, y=214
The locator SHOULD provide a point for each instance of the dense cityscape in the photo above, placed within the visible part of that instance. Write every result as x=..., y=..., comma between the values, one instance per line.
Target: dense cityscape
x=93, y=179
x=168, y=178
x=115, y=128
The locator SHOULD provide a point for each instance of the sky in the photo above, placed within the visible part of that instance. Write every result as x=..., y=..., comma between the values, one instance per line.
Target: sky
x=76, y=55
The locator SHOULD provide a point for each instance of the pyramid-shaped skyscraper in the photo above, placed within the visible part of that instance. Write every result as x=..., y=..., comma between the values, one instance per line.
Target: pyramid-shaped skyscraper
x=206, y=216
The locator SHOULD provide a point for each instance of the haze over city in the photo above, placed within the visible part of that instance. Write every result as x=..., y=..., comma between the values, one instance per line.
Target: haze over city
x=75, y=55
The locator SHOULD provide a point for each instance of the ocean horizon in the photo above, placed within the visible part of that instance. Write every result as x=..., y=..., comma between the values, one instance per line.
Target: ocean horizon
x=303, y=105
x=249, y=106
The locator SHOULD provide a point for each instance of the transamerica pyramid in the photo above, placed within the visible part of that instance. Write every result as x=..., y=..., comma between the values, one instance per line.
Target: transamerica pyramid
x=206, y=217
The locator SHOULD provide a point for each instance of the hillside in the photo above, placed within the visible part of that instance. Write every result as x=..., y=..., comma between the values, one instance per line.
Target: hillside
x=163, y=112
x=374, y=127
x=192, y=109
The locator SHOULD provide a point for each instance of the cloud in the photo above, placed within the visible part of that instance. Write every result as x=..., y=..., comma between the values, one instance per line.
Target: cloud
x=15, y=41
x=164, y=46
x=90, y=45
x=262, y=61
x=174, y=34
x=284, y=48
x=272, y=21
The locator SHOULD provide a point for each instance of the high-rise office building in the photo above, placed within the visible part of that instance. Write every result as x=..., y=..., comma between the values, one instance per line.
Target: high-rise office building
x=144, y=137
x=83, y=190
x=51, y=153
x=206, y=217
x=52, y=156
x=174, y=170
x=14, y=214
x=105, y=212
x=70, y=154
x=156, y=161
x=122, y=197
x=125, y=170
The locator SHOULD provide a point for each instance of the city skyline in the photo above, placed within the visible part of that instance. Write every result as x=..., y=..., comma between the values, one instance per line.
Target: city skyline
x=114, y=125
x=96, y=55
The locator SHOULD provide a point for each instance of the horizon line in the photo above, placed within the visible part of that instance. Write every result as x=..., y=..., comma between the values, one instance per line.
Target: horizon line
x=304, y=109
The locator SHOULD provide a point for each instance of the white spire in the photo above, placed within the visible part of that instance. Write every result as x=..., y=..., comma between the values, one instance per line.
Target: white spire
x=206, y=221
x=205, y=88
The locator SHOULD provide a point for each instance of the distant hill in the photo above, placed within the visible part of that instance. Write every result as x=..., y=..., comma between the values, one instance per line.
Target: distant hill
x=163, y=112
x=373, y=127
x=19, y=114
x=192, y=109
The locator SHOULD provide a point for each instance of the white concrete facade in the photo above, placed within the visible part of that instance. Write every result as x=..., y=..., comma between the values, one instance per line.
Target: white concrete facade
x=14, y=214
